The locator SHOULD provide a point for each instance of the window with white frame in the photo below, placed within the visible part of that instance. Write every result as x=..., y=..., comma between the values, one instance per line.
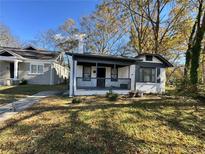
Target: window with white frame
x=86, y=73
x=36, y=69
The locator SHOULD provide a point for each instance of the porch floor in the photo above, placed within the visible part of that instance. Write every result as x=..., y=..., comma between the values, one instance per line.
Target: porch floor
x=98, y=88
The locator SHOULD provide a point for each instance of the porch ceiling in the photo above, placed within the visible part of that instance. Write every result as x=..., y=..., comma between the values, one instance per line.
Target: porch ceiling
x=105, y=61
x=102, y=64
x=9, y=58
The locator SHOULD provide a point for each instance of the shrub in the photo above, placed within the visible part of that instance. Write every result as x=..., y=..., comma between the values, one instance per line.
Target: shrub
x=111, y=96
x=23, y=82
x=76, y=101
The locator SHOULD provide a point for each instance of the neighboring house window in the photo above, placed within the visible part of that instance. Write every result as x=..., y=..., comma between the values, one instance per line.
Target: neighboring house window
x=36, y=69
x=147, y=74
x=148, y=58
x=114, y=74
x=86, y=73
x=40, y=69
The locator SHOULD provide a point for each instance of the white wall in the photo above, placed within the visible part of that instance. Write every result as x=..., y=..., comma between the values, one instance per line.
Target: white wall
x=154, y=60
x=123, y=72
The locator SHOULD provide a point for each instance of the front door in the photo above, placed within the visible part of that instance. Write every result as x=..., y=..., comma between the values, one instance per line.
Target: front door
x=101, y=77
x=11, y=70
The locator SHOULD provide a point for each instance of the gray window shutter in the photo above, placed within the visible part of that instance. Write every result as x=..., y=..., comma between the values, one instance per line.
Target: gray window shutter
x=158, y=75
x=137, y=74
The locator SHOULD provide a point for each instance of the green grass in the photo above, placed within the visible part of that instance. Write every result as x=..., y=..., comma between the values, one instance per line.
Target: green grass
x=9, y=94
x=152, y=125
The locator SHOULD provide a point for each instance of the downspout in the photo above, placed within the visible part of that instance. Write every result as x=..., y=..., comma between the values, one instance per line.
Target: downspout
x=135, y=77
x=73, y=75
x=51, y=75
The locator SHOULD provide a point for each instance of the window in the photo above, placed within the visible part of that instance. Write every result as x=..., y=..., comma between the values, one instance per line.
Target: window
x=148, y=58
x=114, y=74
x=40, y=68
x=147, y=74
x=36, y=69
x=86, y=73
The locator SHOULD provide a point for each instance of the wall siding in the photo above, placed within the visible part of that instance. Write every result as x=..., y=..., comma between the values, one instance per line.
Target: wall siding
x=54, y=76
x=4, y=72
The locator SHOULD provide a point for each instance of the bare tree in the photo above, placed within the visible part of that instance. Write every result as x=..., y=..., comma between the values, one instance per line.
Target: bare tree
x=62, y=38
x=6, y=37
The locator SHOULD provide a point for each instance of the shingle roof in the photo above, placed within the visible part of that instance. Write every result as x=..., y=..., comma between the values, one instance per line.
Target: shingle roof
x=111, y=57
x=33, y=53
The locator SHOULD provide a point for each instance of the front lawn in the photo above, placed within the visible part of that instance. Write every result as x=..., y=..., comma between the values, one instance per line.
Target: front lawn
x=9, y=94
x=152, y=125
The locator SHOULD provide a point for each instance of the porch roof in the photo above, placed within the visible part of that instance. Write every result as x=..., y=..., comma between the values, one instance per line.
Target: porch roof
x=103, y=59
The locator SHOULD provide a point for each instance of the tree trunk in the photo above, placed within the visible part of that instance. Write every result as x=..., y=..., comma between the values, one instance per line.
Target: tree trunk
x=203, y=67
x=188, y=54
x=196, y=51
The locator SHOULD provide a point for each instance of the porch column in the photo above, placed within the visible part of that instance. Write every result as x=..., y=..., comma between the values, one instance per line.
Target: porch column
x=71, y=76
x=96, y=73
x=74, y=76
x=96, y=69
x=15, y=69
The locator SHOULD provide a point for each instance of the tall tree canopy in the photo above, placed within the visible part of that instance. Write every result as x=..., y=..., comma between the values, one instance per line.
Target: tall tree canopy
x=156, y=26
x=105, y=30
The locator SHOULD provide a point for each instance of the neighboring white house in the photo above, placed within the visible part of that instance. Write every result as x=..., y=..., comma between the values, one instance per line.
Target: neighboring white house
x=92, y=74
x=34, y=65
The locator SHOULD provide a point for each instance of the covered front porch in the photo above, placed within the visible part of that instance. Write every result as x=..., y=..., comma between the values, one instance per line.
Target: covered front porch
x=97, y=74
x=9, y=67
x=98, y=78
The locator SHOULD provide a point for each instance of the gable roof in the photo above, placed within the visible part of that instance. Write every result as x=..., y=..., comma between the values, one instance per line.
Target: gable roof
x=32, y=53
x=158, y=56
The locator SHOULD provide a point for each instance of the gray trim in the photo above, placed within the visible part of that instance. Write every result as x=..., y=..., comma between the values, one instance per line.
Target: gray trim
x=118, y=62
x=149, y=64
x=108, y=57
x=137, y=73
x=158, y=75
x=106, y=87
x=144, y=68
